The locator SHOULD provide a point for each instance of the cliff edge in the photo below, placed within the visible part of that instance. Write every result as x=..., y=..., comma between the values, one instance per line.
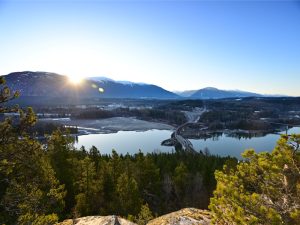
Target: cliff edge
x=187, y=216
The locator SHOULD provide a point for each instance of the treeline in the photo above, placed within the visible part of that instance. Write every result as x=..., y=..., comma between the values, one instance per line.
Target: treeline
x=186, y=105
x=255, y=108
x=245, y=120
x=121, y=184
x=42, y=128
x=264, y=120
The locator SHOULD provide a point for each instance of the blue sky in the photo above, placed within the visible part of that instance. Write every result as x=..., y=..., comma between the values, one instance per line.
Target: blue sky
x=179, y=45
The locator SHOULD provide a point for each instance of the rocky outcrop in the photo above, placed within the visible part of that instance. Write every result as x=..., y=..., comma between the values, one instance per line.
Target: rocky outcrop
x=97, y=220
x=187, y=216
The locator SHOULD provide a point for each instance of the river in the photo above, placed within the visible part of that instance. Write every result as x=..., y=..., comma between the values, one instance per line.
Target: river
x=149, y=141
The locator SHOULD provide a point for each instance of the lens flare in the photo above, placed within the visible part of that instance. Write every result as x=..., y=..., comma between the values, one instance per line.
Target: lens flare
x=75, y=80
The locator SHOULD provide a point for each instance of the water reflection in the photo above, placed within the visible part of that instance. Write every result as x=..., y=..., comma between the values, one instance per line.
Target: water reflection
x=149, y=141
x=127, y=141
x=226, y=144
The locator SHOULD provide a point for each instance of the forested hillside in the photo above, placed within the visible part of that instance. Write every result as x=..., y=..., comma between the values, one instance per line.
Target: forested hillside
x=45, y=183
x=38, y=181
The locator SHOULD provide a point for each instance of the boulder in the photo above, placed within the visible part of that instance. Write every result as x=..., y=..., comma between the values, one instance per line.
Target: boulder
x=97, y=220
x=187, y=216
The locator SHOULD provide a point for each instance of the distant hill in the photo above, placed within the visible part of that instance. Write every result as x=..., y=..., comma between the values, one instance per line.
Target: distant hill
x=214, y=93
x=185, y=94
x=44, y=84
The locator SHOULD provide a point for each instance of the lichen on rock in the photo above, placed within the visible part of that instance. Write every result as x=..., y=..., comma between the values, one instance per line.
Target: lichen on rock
x=187, y=216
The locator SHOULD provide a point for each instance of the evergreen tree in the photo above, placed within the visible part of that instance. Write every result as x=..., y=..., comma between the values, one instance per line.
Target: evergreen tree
x=60, y=152
x=95, y=156
x=90, y=189
x=144, y=216
x=29, y=191
x=109, y=204
x=181, y=177
x=263, y=189
x=128, y=195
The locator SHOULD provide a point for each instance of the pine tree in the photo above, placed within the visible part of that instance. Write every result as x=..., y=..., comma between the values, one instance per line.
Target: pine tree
x=263, y=189
x=60, y=152
x=30, y=193
x=145, y=215
x=87, y=201
x=128, y=195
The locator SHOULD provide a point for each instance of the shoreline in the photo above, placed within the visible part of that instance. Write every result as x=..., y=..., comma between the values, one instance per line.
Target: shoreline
x=110, y=125
x=116, y=124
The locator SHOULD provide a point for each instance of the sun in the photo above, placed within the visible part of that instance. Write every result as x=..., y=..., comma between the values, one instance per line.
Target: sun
x=75, y=80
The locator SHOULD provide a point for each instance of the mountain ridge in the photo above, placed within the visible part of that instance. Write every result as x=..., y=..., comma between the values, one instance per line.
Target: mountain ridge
x=51, y=84
x=214, y=93
x=54, y=85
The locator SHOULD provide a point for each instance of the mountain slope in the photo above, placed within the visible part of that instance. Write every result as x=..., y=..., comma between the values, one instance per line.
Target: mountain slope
x=214, y=93
x=55, y=85
x=39, y=84
x=133, y=90
x=185, y=94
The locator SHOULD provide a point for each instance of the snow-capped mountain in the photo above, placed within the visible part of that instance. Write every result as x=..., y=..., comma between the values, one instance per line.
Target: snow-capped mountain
x=55, y=85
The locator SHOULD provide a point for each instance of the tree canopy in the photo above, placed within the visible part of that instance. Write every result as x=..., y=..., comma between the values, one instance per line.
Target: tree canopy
x=29, y=190
x=262, y=189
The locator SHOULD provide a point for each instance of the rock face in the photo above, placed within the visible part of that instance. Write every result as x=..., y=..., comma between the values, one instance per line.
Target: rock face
x=187, y=216
x=97, y=220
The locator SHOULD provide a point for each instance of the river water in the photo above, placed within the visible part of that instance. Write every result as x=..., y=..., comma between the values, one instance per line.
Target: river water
x=149, y=141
